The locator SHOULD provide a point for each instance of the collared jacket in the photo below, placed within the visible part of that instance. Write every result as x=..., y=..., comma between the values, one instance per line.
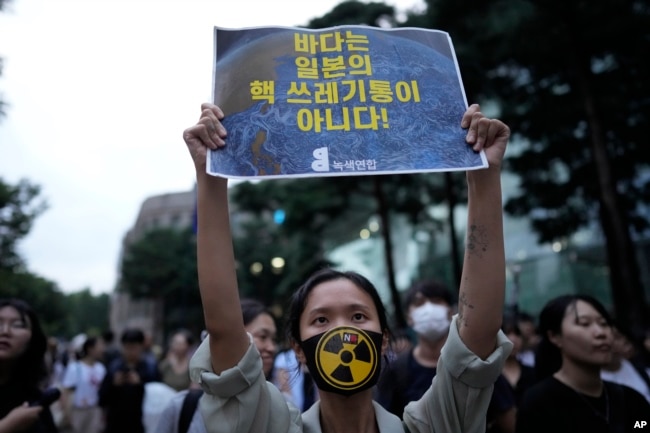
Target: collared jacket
x=240, y=400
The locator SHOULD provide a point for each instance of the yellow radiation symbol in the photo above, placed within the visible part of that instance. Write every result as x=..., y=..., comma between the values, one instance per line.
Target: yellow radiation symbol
x=345, y=357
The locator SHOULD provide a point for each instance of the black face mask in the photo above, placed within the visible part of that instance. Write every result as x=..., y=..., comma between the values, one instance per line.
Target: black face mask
x=344, y=360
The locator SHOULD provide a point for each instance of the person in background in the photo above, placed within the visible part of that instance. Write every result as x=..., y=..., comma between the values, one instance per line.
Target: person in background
x=407, y=377
x=53, y=362
x=429, y=309
x=337, y=317
x=625, y=367
x=111, y=350
x=513, y=382
x=151, y=354
x=181, y=415
x=22, y=370
x=121, y=393
x=81, y=381
x=175, y=367
x=518, y=375
x=293, y=380
x=529, y=338
x=576, y=343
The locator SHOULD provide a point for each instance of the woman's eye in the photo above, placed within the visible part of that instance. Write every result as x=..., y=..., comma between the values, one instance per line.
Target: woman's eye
x=18, y=324
x=320, y=320
x=358, y=316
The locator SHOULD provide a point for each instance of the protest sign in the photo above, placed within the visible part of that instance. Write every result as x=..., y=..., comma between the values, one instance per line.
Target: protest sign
x=347, y=100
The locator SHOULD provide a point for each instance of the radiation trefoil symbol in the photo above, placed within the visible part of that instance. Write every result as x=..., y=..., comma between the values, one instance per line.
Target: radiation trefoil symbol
x=345, y=358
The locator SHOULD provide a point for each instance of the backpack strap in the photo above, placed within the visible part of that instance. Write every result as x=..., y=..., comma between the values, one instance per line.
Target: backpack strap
x=190, y=402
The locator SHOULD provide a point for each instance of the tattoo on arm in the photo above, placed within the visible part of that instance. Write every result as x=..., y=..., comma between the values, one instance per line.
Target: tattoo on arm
x=463, y=303
x=477, y=240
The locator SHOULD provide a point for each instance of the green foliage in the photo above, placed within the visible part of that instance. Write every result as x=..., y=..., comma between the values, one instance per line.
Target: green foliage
x=320, y=214
x=159, y=263
x=43, y=295
x=355, y=12
x=563, y=75
x=87, y=313
x=61, y=315
x=19, y=206
x=568, y=77
x=316, y=210
x=162, y=264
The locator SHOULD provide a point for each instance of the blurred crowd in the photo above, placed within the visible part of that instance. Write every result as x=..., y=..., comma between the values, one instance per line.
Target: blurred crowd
x=122, y=384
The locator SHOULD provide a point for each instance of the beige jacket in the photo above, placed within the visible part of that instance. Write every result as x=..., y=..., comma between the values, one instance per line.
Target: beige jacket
x=240, y=400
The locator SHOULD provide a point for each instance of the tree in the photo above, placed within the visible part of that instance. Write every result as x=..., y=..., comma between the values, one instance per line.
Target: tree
x=355, y=12
x=315, y=212
x=572, y=84
x=162, y=265
x=86, y=313
x=319, y=215
x=18, y=209
x=44, y=297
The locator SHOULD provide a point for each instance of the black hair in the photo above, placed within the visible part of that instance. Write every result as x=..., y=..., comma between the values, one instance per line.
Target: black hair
x=108, y=336
x=548, y=357
x=30, y=367
x=510, y=323
x=132, y=335
x=430, y=289
x=88, y=344
x=251, y=308
x=299, y=299
x=187, y=335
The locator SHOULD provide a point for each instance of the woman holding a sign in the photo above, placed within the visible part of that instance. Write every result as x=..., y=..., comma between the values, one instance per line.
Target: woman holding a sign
x=337, y=322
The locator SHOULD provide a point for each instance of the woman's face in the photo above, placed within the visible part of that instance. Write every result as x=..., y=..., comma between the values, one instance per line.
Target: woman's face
x=179, y=345
x=338, y=303
x=263, y=330
x=97, y=351
x=15, y=333
x=516, y=343
x=586, y=336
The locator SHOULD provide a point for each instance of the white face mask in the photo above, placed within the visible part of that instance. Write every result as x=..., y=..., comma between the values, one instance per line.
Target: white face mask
x=431, y=321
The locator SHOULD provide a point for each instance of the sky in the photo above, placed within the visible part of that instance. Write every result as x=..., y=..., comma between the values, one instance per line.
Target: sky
x=98, y=93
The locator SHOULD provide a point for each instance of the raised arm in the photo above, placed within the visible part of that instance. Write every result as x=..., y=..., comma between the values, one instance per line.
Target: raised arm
x=482, y=287
x=215, y=257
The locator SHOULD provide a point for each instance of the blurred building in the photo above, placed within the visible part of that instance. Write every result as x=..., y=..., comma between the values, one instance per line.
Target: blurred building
x=173, y=210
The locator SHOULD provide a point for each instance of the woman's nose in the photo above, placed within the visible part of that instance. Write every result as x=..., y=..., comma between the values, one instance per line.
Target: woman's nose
x=601, y=330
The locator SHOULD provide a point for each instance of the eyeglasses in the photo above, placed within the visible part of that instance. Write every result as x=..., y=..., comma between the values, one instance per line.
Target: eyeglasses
x=13, y=325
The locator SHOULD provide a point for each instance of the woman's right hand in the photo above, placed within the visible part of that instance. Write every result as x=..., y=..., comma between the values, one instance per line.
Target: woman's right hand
x=20, y=418
x=208, y=133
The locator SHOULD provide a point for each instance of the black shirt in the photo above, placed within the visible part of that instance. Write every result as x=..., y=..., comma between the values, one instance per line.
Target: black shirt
x=14, y=394
x=123, y=403
x=551, y=406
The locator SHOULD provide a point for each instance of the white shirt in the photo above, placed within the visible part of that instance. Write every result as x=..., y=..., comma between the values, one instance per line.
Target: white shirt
x=627, y=375
x=85, y=379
